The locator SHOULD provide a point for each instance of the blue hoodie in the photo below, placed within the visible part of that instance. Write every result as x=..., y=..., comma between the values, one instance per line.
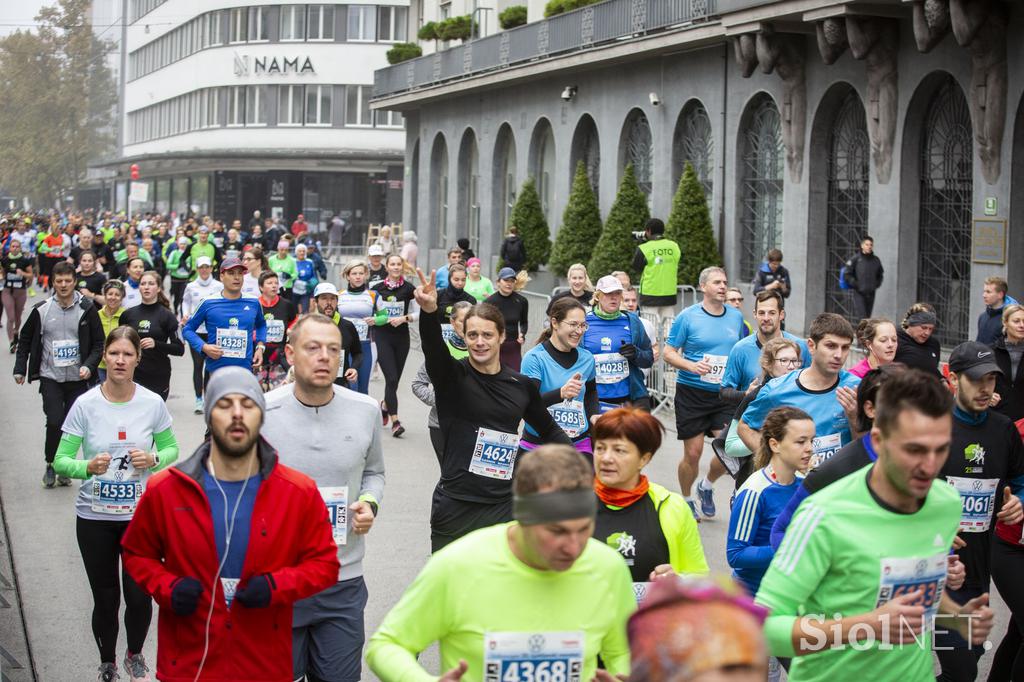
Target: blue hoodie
x=990, y=322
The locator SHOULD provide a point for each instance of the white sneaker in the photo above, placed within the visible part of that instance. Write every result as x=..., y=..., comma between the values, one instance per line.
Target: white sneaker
x=199, y=406
x=108, y=673
x=136, y=668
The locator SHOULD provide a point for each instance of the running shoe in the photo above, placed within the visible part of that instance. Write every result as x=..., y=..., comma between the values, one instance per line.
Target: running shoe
x=397, y=429
x=31, y=292
x=707, y=500
x=14, y=347
x=693, y=510
x=63, y=481
x=50, y=477
x=384, y=414
x=199, y=406
x=136, y=668
x=108, y=673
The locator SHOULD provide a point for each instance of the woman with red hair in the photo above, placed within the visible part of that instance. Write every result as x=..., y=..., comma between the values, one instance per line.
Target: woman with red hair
x=651, y=527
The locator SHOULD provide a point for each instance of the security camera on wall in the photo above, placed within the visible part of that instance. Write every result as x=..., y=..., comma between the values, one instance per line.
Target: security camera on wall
x=568, y=93
x=655, y=100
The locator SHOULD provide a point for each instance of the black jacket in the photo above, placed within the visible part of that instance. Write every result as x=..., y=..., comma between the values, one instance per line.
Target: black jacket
x=513, y=252
x=449, y=296
x=865, y=272
x=30, y=341
x=765, y=276
x=990, y=323
x=920, y=356
x=1009, y=388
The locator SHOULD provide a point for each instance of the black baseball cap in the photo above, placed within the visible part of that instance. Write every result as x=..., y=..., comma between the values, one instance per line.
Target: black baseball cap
x=973, y=359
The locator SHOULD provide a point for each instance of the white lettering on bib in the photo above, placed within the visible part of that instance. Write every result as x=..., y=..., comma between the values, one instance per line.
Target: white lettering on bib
x=230, y=586
x=717, y=363
x=905, y=575
x=494, y=454
x=299, y=287
x=977, y=497
x=119, y=489
x=233, y=341
x=394, y=308
x=569, y=415
x=336, y=499
x=533, y=656
x=65, y=353
x=825, y=447
x=447, y=333
x=362, y=328
x=611, y=368
x=275, y=331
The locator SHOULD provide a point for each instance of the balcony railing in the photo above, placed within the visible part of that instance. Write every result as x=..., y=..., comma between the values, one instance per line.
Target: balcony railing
x=599, y=24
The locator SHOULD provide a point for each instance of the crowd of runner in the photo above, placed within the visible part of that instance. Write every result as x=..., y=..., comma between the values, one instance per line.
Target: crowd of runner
x=554, y=557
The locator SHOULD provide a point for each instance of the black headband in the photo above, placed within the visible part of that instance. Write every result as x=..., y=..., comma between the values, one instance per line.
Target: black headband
x=921, y=317
x=557, y=505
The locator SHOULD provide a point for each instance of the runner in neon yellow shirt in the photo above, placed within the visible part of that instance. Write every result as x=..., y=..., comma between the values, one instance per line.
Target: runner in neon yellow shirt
x=871, y=553
x=532, y=599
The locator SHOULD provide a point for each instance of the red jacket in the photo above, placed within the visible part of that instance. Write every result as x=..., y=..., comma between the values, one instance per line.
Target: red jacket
x=171, y=536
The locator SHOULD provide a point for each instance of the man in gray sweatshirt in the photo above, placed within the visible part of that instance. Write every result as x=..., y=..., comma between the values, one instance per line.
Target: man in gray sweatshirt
x=333, y=435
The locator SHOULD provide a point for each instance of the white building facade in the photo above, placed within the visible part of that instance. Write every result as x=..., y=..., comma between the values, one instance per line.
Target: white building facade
x=233, y=106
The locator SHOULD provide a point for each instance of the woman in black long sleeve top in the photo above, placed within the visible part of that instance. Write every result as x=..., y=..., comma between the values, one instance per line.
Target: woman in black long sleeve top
x=480, y=404
x=515, y=310
x=158, y=328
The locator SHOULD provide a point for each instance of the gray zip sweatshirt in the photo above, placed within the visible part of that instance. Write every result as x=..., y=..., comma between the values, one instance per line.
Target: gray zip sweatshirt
x=338, y=444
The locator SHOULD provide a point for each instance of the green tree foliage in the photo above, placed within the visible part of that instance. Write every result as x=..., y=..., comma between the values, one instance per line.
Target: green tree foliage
x=615, y=248
x=512, y=16
x=689, y=225
x=428, y=31
x=581, y=225
x=528, y=217
x=560, y=6
x=402, y=52
x=455, y=28
x=59, y=99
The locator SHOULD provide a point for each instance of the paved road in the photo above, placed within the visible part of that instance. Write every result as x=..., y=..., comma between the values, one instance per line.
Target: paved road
x=54, y=590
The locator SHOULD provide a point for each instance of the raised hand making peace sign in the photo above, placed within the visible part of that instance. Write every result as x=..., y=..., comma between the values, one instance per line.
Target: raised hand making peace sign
x=426, y=292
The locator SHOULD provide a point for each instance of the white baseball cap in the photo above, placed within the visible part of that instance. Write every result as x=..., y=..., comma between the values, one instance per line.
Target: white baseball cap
x=203, y=260
x=325, y=288
x=609, y=284
x=376, y=250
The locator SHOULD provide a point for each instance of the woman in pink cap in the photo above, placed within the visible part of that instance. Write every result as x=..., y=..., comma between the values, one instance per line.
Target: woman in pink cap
x=477, y=286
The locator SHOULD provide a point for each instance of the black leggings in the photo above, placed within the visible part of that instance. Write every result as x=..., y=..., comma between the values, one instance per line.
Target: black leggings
x=1007, y=568
x=178, y=293
x=100, y=544
x=392, y=350
x=959, y=660
x=198, y=365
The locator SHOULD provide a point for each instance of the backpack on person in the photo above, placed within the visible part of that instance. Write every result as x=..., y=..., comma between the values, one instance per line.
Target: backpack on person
x=514, y=251
x=847, y=274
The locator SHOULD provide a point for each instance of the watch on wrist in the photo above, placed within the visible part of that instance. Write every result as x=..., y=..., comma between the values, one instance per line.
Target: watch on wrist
x=156, y=460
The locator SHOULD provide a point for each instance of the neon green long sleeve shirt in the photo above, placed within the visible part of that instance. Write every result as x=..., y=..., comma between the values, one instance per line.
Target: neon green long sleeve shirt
x=476, y=585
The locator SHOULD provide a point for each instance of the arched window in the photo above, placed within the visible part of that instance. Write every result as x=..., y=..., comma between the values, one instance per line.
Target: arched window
x=638, y=149
x=946, y=193
x=849, y=160
x=692, y=141
x=439, y=189
x=543, y=166
x=586, y=147
x=469, y=190
x=762, y=163
x=504, y=180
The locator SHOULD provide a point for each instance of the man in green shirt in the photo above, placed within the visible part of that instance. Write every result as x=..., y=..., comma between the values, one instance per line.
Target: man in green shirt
x=857, y=584
x=657, y=259
x=202, y=247
x=533, y=599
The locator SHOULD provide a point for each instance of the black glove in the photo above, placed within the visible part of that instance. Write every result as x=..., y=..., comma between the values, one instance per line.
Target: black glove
x=256, y=593
x=185, y=593
x=628, y=351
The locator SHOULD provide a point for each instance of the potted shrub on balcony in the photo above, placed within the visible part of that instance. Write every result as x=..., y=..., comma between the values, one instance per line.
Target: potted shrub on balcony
x=402, y=52
x=512, y=16
x=428, y=31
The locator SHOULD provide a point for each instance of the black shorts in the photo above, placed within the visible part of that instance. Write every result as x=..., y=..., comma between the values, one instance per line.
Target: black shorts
x=699, y=412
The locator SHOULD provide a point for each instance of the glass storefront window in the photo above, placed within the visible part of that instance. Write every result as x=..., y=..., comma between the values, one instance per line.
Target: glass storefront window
x=199, y=198
x=163, y=196
x=179, y=196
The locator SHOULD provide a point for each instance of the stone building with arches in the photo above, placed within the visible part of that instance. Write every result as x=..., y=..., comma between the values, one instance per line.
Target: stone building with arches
x=809, y=124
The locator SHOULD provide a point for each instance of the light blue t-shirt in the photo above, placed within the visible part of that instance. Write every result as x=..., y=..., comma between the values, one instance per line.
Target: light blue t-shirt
x=699, y=335
x=569, y=414
x=831, y=427
x=744, y=364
